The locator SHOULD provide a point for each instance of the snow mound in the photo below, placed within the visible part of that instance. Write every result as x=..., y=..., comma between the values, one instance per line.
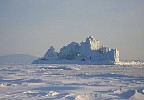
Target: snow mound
x=139, y=95
x=52, y=93
x=85, y=97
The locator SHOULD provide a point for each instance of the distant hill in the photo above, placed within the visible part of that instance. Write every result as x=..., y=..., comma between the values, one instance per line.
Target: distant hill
x=17, y=59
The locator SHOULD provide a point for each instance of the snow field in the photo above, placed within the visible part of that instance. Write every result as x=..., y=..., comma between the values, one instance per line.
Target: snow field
x=71, y=82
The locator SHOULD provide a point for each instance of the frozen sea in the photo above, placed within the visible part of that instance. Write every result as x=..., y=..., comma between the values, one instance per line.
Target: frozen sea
x=71, y=82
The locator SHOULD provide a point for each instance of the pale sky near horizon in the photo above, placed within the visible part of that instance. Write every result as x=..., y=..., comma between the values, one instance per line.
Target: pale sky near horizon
x=32, y=26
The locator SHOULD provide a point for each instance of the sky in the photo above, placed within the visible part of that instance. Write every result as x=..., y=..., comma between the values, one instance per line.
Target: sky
x=32, y=26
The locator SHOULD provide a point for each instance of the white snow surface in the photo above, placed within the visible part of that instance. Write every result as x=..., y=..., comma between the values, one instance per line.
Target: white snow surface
x=71, y=82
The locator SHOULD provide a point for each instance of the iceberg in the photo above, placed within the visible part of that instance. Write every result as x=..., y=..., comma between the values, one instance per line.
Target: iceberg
x=86, y=52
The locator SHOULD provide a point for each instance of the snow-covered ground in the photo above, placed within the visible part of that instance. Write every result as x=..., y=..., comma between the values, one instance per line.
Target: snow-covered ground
x=71, y=82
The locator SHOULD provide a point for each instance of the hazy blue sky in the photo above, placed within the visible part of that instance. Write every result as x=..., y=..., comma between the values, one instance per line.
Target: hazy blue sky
x=32, y=26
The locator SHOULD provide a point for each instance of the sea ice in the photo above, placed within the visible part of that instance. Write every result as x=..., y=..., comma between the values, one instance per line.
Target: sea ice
x=71, y=82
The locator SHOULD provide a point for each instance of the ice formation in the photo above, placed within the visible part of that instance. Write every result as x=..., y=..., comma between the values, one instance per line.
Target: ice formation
x=87, y=52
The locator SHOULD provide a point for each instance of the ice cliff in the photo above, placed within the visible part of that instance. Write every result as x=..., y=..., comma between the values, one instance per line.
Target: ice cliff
x=87, y=52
